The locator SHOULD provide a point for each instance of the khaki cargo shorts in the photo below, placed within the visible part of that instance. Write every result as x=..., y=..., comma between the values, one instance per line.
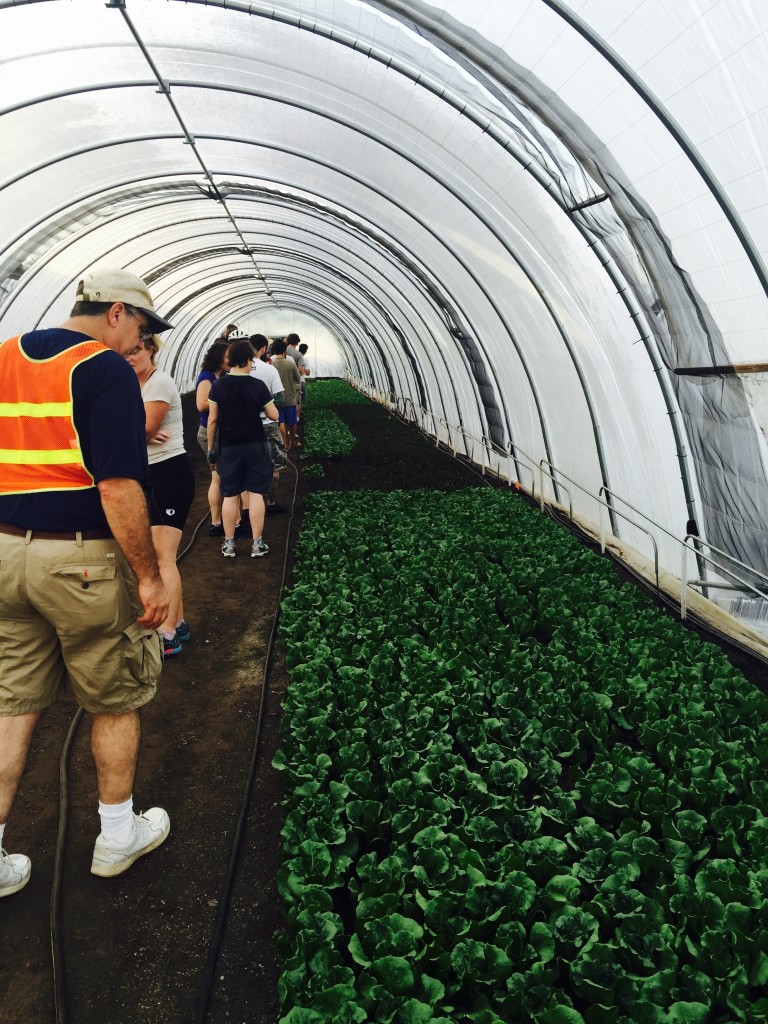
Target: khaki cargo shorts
x=70, y=609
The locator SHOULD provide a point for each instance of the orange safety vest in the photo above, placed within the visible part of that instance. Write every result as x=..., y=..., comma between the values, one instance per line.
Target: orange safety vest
x=39, y=446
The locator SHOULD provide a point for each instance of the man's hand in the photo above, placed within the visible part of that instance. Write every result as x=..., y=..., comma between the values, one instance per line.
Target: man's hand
x=154, y=597
x=212, y=457
x=125, y=507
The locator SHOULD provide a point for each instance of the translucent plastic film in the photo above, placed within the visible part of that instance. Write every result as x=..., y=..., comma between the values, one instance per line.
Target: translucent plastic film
x=539, y=224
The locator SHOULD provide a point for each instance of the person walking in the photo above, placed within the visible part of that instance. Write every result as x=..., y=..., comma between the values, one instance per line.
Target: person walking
x=81, y=594
x=214, y=364
x=227, y=332
x=305, y=372
x=289, y=375
x=173, y=481
x=237, y=445
x=293, y=352
x=264, y=371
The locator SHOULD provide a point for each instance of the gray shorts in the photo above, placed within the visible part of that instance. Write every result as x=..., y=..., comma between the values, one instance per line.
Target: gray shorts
x=245, y=467
x=70, y=610
x=202, y=439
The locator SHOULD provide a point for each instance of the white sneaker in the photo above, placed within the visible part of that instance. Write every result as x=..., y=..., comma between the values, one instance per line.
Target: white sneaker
x=150, y=829
x=258, y=549
x=15, y=870
x=228, y=549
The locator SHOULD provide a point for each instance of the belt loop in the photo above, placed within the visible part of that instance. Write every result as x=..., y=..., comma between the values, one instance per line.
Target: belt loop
x=78, y=538
x=28, y=537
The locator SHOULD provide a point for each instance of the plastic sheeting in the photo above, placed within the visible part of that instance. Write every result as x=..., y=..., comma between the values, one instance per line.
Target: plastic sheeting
x=532, y=222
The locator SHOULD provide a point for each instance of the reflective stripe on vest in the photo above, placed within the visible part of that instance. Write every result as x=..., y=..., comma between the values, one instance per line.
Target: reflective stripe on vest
x=39, y=446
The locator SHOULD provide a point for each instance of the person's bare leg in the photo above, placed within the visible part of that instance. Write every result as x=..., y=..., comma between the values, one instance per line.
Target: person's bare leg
x=115, y=747
x=256, y=513
x=271, y=498
x=230, y=513
x=166, y=540
x=284, y=436
x=214, y=497
x=15, y=738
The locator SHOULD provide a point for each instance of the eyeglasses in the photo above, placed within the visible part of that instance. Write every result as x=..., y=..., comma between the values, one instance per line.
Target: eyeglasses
x=145, y=334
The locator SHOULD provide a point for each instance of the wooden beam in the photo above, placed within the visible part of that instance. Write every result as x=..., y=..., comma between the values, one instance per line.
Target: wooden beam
x=720, y=371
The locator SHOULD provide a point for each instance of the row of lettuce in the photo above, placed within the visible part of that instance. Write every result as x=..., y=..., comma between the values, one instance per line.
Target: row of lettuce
x=516, y=790
x=332, y=392
x=326, y=436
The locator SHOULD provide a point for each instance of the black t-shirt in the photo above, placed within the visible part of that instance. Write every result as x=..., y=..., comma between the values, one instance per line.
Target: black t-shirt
x=110, y=422
x=239, y=399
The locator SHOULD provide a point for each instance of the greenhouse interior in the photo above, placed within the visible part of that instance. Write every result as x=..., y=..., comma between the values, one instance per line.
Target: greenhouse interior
x=535, y=231
x=539, y=227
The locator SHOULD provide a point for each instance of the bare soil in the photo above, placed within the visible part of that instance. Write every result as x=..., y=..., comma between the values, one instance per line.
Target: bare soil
x=136, y=947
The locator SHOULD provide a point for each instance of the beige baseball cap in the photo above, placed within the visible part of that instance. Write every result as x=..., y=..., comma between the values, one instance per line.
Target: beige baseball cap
x=109, y=284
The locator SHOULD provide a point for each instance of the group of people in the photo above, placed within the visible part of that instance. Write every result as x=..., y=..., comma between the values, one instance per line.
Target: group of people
x=237, y=432
x=95, y=491
x=249, y=397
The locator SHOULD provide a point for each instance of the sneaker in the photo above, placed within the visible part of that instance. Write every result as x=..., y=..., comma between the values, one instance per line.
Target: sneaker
x=172, y=646
x=275, y=510
x=243, y=529
x=216, y=530
x=15, y=870
x=258, y=549
x=182, y=632
x=228, y=548
x=150, y=829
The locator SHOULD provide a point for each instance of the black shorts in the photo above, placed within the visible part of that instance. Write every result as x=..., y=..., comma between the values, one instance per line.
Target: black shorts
x=173, y=490
x=245, y=467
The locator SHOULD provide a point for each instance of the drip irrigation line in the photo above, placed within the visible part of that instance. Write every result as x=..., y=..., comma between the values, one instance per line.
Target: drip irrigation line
x=226, y=894
x=192, y=539
x=57, y=957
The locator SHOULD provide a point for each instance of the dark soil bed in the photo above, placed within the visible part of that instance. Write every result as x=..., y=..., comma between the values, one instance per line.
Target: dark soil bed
x=136, y=947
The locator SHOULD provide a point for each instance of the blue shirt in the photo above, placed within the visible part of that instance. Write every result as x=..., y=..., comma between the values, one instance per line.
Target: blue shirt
x=204, y=375
x=110, y=422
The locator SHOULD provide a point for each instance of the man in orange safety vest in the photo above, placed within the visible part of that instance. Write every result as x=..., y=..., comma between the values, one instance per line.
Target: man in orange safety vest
x=80, y=590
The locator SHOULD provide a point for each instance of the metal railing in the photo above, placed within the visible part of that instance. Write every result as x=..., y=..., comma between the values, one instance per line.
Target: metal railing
x=516, y=454
x=603, y=504
x=555, y=485
x=741, y=585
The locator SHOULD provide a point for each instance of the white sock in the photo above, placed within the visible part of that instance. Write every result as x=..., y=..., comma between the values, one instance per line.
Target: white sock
x=2, y=833
x=117, y=820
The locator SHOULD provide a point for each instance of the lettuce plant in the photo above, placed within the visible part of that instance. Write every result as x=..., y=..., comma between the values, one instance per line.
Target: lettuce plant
x=516, y=791
x=325, y=436
x=324, y=394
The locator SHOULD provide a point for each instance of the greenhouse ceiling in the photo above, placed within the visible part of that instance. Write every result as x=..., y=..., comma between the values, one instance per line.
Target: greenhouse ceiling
x=541, y=222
